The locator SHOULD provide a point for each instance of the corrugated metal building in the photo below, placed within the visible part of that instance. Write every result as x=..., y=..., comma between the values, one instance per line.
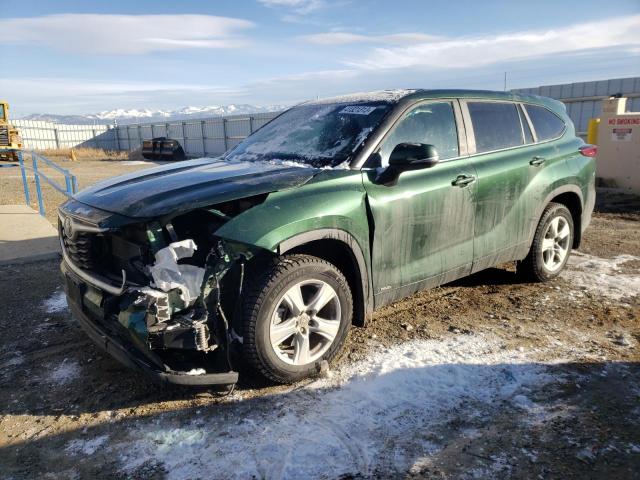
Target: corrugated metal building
x=583, y=98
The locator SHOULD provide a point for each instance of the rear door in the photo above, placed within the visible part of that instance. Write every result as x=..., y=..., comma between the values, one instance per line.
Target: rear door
x=500, y=144
x=423, y=225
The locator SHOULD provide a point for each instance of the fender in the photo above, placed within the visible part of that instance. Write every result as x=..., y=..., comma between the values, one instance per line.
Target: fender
x=353, y=246
x=568, y=188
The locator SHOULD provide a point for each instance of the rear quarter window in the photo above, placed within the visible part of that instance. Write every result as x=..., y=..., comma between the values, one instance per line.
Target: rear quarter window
x=546, y=124
x=495, y=125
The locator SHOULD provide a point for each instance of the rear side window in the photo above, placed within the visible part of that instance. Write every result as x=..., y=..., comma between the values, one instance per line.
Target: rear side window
x=432, y=123
x=546, y=124
x=495, y=125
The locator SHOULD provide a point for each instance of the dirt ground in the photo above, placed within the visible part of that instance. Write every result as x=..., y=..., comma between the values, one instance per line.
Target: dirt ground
x=487, y=377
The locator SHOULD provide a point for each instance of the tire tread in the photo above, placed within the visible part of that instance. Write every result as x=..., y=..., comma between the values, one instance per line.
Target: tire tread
x=528, y=268
x=256, y=295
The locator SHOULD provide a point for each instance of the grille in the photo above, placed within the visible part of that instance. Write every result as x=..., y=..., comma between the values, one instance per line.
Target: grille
x=79, y=249
x=104, y=253
x=4, y=135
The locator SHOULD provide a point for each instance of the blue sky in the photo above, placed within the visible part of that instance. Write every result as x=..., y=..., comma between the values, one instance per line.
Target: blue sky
x=87, y=56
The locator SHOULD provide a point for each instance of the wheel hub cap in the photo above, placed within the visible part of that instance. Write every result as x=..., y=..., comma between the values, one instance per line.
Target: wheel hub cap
x=556, y=243
x=305, y=322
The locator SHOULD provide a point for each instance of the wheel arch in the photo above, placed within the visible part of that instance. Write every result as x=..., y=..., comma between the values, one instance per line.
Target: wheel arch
x=571, y=197
x=342, y=250
x=573, y=202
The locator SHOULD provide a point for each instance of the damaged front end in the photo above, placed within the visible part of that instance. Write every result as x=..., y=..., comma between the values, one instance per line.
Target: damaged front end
x=162, y=296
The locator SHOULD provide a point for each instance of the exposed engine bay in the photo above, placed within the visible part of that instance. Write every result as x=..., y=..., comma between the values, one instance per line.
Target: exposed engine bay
x=180, y=284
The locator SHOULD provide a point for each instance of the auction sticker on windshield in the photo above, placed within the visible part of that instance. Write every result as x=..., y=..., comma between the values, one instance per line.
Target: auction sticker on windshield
x=357, y=110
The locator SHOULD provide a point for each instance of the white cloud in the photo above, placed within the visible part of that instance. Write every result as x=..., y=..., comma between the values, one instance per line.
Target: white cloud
x=300, y=7
x=124, y=34
x=489, y=49
x=343, y=38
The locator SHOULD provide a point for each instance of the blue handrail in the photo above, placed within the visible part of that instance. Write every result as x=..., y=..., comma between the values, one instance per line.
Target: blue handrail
x=71, y=182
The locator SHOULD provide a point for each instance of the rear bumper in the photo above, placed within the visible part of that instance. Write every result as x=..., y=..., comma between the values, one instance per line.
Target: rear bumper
x=124, y=351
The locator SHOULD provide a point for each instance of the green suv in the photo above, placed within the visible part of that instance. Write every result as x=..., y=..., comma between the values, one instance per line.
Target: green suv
x=263, y=258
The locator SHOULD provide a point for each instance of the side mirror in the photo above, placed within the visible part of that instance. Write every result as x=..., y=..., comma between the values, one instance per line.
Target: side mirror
x=405, y=157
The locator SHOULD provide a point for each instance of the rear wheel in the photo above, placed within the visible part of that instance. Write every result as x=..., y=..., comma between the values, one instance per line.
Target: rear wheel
x=551, y=245
x=296, y=315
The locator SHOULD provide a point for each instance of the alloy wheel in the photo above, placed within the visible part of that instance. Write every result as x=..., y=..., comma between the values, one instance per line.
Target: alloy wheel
x=555, y=245
x=305, y=322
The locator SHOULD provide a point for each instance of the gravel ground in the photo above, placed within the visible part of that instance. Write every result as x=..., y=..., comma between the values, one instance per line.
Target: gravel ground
x=487, y=377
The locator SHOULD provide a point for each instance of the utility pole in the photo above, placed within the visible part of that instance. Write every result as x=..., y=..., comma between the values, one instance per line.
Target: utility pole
x=505, y=81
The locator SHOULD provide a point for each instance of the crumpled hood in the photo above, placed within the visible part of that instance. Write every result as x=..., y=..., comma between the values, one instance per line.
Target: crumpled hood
x=190, y=184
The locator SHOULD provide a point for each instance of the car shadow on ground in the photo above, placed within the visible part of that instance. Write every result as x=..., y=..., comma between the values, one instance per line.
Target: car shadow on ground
x=490, y=276
x=444, y=418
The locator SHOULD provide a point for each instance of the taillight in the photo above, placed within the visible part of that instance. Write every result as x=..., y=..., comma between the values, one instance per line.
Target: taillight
x=589, y=150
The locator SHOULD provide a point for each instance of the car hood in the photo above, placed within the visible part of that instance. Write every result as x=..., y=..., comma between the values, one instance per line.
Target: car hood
x=190, y=184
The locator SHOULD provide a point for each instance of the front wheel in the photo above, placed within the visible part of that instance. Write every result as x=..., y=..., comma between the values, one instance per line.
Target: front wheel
x=296, y=314
x=551, y=245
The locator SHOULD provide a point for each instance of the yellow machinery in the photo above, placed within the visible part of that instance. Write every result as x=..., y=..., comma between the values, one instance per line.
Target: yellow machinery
x=10, y=140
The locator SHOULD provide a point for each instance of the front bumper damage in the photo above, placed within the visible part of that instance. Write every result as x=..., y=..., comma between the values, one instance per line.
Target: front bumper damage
x=174, y=330
x=121, y=348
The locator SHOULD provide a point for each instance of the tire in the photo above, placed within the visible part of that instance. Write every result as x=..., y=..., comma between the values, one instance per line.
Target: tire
x=287, y=286
x=549, y=253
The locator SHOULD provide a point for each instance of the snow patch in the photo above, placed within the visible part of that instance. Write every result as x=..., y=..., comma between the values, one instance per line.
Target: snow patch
x=396, y=397
x=375, y=96
x=17, y=359
x=137, y=162
x=276, y=162
x=523, y=402
x=56, y=303
x=499, y=465
x=64, y=373
x=131, y=115
x=85, y=447
x=602, y=276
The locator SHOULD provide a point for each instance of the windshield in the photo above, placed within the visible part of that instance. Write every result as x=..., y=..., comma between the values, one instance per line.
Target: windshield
x=1, y=111
x=320, y=135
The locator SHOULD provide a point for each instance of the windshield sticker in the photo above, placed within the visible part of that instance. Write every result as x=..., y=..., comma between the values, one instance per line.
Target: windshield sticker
x=357, y=110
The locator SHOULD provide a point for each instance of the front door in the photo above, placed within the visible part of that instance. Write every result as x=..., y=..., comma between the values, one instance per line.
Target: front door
x=423, y=225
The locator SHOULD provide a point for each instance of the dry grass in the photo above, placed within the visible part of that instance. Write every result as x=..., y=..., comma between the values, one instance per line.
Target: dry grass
x=84, y=154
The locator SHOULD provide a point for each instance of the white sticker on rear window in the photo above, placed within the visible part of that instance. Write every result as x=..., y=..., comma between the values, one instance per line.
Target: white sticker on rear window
x=357, y=110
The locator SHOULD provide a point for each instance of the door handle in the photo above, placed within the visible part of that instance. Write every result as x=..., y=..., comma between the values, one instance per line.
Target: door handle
x=463, y=180
x=537, y=161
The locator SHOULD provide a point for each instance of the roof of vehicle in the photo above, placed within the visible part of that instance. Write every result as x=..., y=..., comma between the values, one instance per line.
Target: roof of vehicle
x=395, y=96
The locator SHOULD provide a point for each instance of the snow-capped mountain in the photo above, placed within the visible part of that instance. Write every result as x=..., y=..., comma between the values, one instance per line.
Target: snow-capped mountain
x=127, y=116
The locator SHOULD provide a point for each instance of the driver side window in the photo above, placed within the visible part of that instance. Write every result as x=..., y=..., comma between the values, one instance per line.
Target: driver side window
x=431, y=123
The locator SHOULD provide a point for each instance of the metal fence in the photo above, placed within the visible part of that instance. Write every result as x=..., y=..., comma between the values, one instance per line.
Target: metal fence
x=40, y=135
x=583, y=99
x=212, y=136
